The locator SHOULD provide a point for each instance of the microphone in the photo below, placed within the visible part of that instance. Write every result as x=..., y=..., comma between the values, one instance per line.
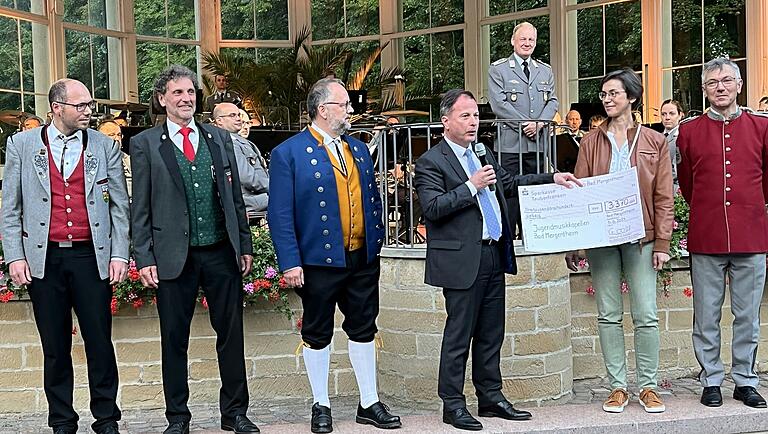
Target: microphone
x=480, y=151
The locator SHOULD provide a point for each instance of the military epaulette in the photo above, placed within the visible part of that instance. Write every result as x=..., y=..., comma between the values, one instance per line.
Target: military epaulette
x=542, y=63
x=688, y=119
x=500, y=61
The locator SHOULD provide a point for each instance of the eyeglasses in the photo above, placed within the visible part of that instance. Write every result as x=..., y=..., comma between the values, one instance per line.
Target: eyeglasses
x=346, y=105
x=726, y=81
x=80, y=107
x=230, y=115
x=613, y=94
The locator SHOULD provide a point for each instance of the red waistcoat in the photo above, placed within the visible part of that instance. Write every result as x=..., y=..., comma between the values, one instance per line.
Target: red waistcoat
x=69, y=215
x=723, y=176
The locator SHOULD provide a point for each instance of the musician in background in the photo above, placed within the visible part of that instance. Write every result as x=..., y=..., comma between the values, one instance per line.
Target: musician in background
x=111, y=129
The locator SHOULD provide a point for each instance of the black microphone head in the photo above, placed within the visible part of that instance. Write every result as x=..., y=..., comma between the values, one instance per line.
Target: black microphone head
x=480, y=149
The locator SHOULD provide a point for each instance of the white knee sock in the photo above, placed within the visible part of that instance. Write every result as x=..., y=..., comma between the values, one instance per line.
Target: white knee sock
x=363, y=358
x=318, y=363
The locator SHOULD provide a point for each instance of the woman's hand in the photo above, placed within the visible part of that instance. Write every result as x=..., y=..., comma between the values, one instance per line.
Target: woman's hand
x=659, y=259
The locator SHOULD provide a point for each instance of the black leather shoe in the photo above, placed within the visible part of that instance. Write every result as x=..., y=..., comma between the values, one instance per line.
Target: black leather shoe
x=711, y=396
x=749, y=396
x=461, y=419
x=504, y=410
x=241, y=424
x=322, y=421
x=109, y=429
x=64, y=431
x=177, y=428
x=377, y=415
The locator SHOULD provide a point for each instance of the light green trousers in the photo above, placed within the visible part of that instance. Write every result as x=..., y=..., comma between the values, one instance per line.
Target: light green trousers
x=606, y=264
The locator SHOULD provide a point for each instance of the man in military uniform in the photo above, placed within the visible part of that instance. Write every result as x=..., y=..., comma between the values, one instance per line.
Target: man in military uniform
x=325, y=220
x=254, y=180
x=222, y=94
x=723, y=176
x=521, y=88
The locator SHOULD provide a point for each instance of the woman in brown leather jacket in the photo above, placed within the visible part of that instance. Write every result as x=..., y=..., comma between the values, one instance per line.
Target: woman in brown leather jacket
x=617, y=145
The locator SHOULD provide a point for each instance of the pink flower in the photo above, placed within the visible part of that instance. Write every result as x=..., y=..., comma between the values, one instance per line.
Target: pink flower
x=624, y=287
x=590, y=290
x=138, y=303
x=688, y=292
x=6, y=296
x=270, y=273
x=683, y=243
x=299, y=323
x=666, y=384
x=113, y=305
x=248, y=287
x=74, y=330
x=675, y=225
x=204, y=302
x=583, y=263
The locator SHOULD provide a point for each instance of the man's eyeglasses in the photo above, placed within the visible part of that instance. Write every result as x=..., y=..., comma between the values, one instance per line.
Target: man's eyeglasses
x=613, y=94
x=346, y=105
x=230, y=115
x=80, y=107
x=727, y=82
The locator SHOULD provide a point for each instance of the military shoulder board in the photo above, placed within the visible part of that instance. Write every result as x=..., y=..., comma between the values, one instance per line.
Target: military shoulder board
x=500, y=61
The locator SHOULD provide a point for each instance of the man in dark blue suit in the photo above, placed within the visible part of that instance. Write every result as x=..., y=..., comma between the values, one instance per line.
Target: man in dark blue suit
x=469, y=248
x=325, y=219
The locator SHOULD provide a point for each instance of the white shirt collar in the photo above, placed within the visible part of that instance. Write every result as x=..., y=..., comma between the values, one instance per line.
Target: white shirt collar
x=174, y=128
x=459, y=150
x=54, y=133
x=327, y=139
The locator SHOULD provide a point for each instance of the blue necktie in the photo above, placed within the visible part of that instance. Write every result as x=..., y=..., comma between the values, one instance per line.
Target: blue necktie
x=494, y=227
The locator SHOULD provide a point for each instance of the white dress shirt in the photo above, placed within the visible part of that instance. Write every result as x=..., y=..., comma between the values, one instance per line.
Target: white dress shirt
x=460, y=154
x=174, y=132
x=330, y=143
x=69, y=147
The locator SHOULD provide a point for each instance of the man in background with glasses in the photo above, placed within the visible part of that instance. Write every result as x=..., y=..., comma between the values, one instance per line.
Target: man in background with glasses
x=254, y=180
x=723, y=176
x=325, y=219
x=65, y=236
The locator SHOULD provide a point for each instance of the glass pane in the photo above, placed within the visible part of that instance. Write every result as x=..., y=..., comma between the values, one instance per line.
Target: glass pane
x=149, y=16
x=686, y=32
x=446, y=12
x=153, y=58
x=417, y=64
x=448, y=61
x=10, y=101
x=181, y=19
x=362, y=17
x=588, y=90
x=262, y=19
x=96, y=13
x=78, y=57
x=589, y=24
x=24, y=5
x=623, y=36
x=416, y=15
x=183, y=55
x=499, y=7
x=88, y=61
x=360, y=52
x=686, y=88
x=9, y=51
x=724, y=29
x=327, y=19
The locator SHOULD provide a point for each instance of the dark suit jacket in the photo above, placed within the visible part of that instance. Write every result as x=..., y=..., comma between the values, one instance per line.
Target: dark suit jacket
x=160, y=220
x=453, y=217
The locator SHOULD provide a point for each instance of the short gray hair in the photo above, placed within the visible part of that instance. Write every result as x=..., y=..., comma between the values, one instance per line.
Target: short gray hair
x=173, y=73
x=319, y=94
x=717, y=64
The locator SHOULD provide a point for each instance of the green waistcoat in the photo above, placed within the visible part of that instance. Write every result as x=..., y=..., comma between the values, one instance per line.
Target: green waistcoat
x=206, y=216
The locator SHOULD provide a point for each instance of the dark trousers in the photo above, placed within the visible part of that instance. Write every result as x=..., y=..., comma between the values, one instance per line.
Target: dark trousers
x=355, y=288
x=215, y=270
x=72, y=281
x=511, y=163
x=476, y=319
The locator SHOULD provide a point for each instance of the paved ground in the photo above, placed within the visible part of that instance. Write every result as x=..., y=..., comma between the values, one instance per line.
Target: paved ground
x=582, y=415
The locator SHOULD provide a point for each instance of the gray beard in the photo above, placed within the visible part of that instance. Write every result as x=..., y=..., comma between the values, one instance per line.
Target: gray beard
x=341, y=127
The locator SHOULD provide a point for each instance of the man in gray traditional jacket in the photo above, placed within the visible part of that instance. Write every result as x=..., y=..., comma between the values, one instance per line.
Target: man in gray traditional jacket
x=254, y=179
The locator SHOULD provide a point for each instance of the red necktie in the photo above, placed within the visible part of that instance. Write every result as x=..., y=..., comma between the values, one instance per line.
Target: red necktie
x=189, y=151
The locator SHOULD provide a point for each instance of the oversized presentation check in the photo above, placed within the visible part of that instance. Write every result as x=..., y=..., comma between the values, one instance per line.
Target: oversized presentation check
x=606, y=211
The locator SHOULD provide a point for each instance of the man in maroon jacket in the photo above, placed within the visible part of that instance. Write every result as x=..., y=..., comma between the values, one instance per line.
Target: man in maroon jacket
x=722, y=174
